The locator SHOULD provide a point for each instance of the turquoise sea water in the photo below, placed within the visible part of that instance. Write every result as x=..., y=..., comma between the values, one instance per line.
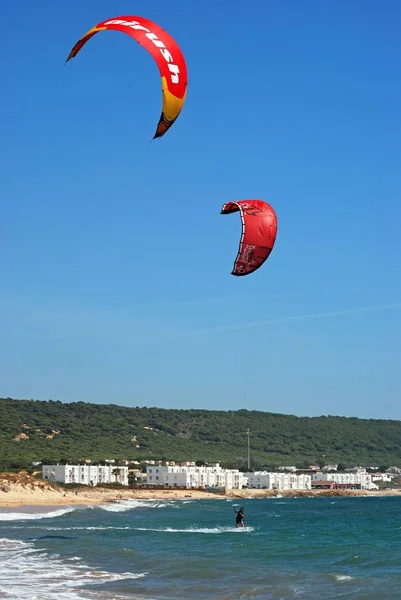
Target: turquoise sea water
x=306, y=548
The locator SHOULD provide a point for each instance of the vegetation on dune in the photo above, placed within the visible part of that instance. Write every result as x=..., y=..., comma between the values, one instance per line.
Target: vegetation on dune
x=25, y=481
x=51, y=431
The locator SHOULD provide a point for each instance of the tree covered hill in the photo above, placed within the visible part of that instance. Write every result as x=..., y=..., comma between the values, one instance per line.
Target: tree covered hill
x=51, y=431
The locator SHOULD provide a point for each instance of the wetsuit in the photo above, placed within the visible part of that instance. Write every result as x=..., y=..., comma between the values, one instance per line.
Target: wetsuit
x=239, y=519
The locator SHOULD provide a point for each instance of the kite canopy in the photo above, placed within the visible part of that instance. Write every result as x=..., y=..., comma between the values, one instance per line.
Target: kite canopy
x=259, y=230
x=166, y=53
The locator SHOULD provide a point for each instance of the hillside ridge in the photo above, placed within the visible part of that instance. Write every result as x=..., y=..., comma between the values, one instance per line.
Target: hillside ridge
x=50, y=430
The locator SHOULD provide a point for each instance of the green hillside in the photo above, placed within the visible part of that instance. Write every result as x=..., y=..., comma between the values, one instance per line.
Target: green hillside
x=38, y=430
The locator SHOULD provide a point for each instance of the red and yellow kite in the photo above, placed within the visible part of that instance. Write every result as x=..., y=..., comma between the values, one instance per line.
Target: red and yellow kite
x=166, y=53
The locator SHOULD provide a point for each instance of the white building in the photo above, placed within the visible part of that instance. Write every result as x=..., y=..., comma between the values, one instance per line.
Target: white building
x=278, y=481
x=385, y=477
x=360, y=477
x=213, y=476
x=85, y=474
x=195, y=477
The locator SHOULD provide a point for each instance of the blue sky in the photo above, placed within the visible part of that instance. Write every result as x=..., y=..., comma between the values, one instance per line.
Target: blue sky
x=116, y=262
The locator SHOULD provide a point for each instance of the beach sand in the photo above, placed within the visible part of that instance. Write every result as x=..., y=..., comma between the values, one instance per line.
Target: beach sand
x=23, y=489
x=26, y=490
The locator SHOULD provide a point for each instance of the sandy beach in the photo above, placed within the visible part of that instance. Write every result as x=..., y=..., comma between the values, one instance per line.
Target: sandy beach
x=25, y=490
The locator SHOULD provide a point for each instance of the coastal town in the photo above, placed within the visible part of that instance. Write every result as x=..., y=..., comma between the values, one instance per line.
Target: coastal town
x=213, y=477
x=111, y=480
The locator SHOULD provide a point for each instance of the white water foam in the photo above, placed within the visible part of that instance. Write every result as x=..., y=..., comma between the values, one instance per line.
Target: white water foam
x=27, y=573
x=124, y=505
x=343, y=577
x=198, y=529
x=80, y=528
x=20, y=516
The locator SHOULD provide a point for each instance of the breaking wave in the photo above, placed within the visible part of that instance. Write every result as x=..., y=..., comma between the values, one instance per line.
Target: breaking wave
x=20, y=516
x=42, y=576
x=124, y=505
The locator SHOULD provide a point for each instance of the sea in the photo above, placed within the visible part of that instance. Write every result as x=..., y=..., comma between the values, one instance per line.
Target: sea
x=305, y=548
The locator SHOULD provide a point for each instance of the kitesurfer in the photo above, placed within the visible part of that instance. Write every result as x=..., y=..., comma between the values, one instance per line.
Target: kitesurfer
x=239, y=519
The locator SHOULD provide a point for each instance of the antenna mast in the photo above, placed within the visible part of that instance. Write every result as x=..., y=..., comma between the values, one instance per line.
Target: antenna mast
x=249, y=453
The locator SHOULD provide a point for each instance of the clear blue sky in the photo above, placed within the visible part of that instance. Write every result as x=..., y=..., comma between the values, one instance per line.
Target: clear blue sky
x=115, y=268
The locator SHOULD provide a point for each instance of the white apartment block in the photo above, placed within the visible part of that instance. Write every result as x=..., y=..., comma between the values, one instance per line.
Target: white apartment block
x=195, y=477
x=360, y=477
x=278, y=481
x=387, y=477
x=85, y=474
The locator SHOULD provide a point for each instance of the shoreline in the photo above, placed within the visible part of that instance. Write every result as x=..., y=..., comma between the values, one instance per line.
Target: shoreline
x=42, y=496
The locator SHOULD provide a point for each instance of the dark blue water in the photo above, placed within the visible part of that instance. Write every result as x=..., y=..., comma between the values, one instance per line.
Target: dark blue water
x=306, y=548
